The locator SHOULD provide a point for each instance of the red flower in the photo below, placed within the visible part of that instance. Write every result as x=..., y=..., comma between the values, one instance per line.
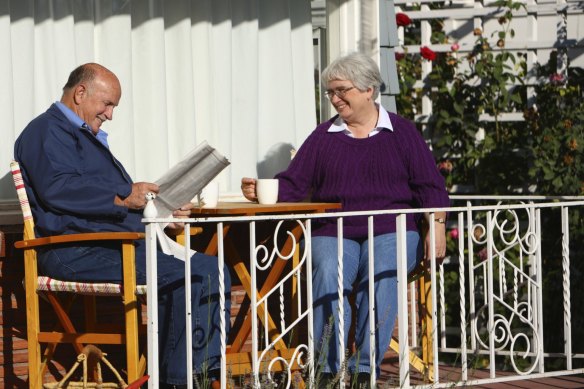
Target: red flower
x=557, y=79
x=402, y=19
x=399, y=56
x=427, y=53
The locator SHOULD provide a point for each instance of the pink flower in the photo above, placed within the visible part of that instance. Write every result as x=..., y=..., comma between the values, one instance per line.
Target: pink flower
x=557, y=79
x=402, y=19
x=453, y=233
x=455, y=46
x=483, y=254
x=445, y=167
x=427, y=53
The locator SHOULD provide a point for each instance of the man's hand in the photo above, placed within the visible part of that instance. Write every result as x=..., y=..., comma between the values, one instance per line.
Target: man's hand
x=137, y=199
x=183, y=212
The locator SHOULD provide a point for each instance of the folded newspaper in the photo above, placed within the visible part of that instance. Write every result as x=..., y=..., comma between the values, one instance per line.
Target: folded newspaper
x=180, y=184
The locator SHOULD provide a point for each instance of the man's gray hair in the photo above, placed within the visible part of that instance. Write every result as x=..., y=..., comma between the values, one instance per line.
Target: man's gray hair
x=358, y=68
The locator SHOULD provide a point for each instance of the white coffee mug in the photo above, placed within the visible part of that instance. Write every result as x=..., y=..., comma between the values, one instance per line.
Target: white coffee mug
x=267, y=190
x=210, y=195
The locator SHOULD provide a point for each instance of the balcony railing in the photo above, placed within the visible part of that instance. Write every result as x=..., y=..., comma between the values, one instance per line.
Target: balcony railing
x=486, y=308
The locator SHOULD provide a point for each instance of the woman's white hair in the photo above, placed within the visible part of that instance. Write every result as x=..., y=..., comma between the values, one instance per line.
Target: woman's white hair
x=358, y=68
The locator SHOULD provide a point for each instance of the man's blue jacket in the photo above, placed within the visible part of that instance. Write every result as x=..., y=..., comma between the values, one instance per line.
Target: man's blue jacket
x=72, y=179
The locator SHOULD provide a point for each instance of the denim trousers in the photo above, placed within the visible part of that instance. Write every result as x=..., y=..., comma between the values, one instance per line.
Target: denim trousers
x=355, y=275
x=102, y=263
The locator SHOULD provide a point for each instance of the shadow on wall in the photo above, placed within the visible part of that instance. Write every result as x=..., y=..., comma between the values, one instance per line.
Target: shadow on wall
x=7, y=191
x=276, y=160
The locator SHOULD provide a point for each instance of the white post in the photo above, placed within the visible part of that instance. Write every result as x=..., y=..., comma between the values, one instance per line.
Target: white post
x=539, y=281
x=152, y=306
x=188, y=310
x=402, y=301
x=471, y=283
x=566, y=274
x=491, y=308
x=308, y=249
x=433, y=293
x=462, y=285
x=221, y=264
x=254, y=308
x=341, y=307
x=372, y=307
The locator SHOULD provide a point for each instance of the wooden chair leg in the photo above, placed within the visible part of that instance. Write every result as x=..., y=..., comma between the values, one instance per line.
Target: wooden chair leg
x=425, y=290
x=32, y=321
x=131, y=310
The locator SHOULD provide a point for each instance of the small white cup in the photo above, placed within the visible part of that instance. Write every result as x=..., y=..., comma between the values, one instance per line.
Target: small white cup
x=209, y=196
x=267, y=190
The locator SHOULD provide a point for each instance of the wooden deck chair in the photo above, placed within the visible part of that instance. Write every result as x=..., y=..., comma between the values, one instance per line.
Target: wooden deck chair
x=54, y=290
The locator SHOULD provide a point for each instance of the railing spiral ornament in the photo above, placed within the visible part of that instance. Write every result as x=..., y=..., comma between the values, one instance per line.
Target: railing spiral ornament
x=479, y=234
x=508, y=229
x=513, y=323
x=296, y=358
x=264, y=258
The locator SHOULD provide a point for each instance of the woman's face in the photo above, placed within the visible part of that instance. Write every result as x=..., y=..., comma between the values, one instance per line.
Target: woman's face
x=347, y=100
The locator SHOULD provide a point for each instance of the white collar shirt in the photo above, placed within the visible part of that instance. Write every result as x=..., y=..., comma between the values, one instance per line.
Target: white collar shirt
x=383, y=123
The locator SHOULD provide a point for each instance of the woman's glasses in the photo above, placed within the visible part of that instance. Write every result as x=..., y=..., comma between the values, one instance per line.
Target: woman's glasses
x=340, y=92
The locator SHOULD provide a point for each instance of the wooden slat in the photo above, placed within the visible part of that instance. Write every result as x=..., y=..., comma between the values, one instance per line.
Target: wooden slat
x=85, y=338
x=92, y=236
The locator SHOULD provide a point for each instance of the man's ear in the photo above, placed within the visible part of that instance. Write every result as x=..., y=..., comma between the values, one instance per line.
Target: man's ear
x=79, y=93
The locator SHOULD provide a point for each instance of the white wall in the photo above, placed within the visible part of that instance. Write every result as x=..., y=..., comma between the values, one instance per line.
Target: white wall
x=237, y=73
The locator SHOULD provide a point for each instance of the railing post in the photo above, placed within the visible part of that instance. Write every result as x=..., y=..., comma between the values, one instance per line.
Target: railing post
x=188, y=309
x=152, y=306
x=309, y=299
x=539, y=282
x=372, y=307
x=341, y=307
x=433, y=313
x=471, y=282
x=402, y=301
x=566, y=275
x=254, y=308
x=221, y=264
x=490, y=291
x=462, y=285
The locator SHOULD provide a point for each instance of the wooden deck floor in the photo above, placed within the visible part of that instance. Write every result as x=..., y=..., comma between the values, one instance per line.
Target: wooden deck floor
x=390, y=371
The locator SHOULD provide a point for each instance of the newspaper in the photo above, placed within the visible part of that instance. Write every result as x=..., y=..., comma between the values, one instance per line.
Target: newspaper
x=183, y=182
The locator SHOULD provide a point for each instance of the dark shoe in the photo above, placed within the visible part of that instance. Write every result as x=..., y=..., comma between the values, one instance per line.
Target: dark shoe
x=361, y=381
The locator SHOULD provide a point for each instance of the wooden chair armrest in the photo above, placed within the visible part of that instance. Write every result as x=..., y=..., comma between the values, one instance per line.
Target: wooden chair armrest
x=180, y=231
x=90, y=236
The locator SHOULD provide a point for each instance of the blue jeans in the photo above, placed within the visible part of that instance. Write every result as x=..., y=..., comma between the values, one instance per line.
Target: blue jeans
x=102, y=263
x=355, y=273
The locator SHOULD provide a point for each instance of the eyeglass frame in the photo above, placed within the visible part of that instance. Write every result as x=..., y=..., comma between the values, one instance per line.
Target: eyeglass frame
x=340, y=92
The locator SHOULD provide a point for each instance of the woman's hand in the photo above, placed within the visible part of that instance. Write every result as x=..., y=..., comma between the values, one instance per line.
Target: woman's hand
x=440, y=237
x=440, y=244
x=248, y=188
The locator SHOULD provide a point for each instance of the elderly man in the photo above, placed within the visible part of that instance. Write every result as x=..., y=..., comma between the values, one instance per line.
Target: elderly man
x=75, y=184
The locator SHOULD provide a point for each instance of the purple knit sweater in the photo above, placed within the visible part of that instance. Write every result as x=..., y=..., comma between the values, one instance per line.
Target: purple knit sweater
x=391, y=170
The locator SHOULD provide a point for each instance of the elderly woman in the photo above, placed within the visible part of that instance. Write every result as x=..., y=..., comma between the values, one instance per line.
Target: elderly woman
x=367, y=159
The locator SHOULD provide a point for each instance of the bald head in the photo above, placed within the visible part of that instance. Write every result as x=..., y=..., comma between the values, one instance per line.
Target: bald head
x=85, y=73
x=92, y=92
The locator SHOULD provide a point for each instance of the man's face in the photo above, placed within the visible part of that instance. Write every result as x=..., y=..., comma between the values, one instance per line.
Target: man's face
x=95, y=101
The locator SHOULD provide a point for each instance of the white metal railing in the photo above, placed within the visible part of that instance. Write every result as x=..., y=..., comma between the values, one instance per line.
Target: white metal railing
x=497, y=258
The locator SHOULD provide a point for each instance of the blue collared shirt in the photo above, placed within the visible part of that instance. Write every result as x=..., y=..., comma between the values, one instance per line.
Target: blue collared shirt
x=383, y=123
x=78, y=122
